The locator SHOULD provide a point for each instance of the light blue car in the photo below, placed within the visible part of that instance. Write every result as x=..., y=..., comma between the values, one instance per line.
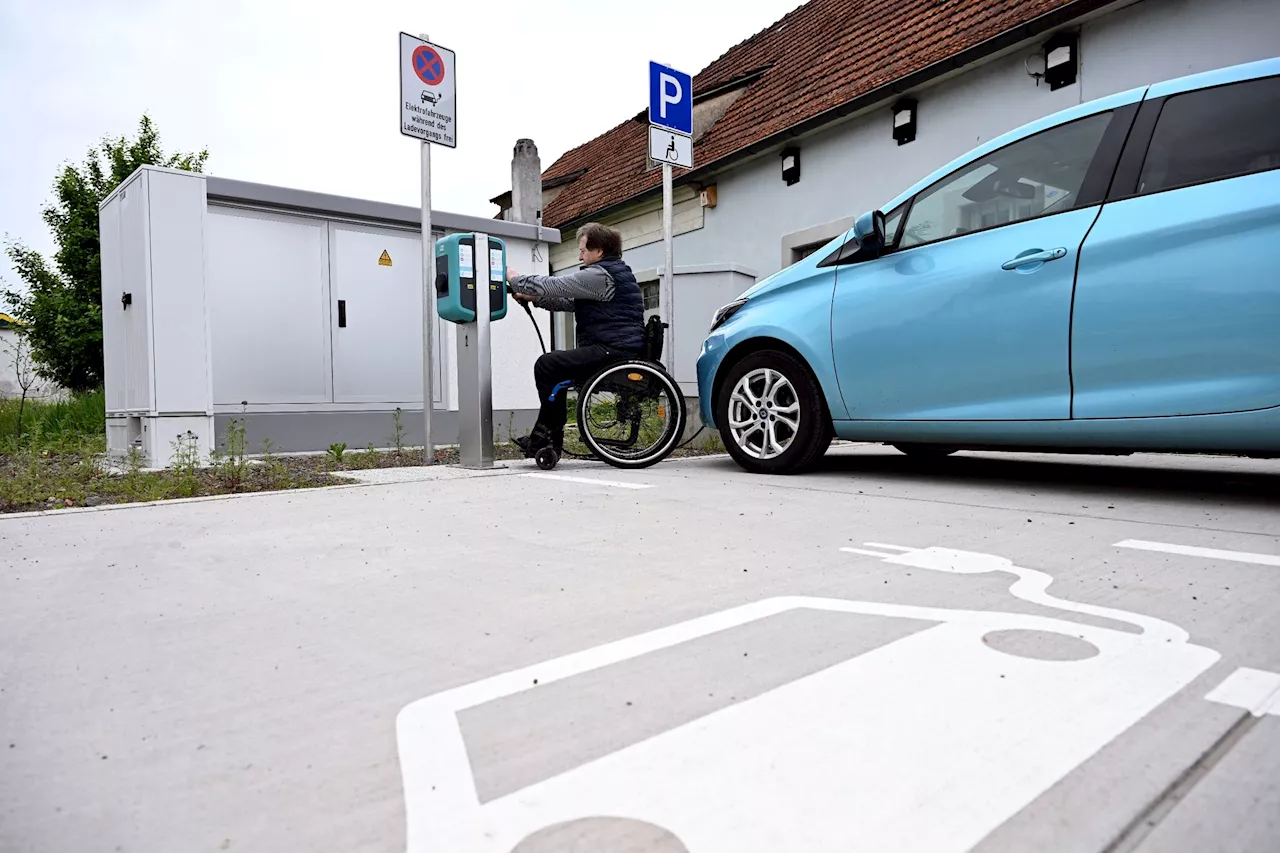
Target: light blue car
x=1105, y=279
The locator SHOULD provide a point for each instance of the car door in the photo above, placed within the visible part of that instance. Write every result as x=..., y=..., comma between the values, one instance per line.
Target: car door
x=967, y=316
x=1178, y=300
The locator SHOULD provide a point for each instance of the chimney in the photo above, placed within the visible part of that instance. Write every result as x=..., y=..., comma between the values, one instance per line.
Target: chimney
x=526, y=184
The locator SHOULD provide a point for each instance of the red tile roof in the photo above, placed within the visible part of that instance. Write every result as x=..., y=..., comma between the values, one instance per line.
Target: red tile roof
x=819, y=58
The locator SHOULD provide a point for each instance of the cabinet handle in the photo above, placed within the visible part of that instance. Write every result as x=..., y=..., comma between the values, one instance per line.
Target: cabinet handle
x=342, y=313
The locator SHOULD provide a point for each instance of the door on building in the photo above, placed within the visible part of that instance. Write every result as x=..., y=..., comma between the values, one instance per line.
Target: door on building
x=1178, y=300
x=967, y=316
x=376, y=288
x=135, y=269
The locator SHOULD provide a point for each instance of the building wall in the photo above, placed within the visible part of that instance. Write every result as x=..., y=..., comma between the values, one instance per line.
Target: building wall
x=856, y=166
x=641, y=225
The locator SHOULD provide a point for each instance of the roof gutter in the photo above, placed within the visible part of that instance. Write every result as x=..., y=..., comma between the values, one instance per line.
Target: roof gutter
x=1050, y=20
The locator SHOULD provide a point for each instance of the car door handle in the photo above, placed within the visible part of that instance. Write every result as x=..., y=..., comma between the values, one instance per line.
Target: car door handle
x=1035, y=257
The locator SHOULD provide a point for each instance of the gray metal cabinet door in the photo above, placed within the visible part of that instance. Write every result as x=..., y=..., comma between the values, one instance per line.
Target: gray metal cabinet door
x=377, y=316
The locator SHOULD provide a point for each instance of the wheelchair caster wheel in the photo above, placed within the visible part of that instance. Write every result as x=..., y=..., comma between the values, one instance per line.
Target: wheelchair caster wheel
x=546, y=458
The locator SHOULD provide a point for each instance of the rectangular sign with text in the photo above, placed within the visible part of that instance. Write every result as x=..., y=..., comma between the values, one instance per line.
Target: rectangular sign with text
x=427, y=88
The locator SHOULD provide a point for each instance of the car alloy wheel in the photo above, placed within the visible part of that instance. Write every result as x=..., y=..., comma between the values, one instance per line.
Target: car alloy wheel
x=764, y=413
x=772, y=415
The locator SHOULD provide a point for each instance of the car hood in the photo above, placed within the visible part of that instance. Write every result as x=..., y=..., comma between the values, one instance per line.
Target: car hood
x=768, y=283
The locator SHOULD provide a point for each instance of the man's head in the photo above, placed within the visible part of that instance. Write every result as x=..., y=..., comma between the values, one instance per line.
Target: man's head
x=596, y=241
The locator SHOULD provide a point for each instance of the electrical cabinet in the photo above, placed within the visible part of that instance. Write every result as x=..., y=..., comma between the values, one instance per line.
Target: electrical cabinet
x=300, y=312
x=154, y=313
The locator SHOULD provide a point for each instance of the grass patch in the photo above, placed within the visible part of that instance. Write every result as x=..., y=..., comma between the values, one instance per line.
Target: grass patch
x=73, y=425
x=59, y=461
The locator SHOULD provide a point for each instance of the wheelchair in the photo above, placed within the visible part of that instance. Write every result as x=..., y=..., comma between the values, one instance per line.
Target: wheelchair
x=630, y=412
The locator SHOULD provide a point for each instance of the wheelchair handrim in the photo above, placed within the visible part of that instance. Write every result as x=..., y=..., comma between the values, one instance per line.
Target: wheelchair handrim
x=673, y=425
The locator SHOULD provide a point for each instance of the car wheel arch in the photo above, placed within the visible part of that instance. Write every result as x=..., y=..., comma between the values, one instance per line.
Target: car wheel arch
x=758, y=344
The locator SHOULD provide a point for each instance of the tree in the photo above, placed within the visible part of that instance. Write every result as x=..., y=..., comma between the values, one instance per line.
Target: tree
x=23, y=370
x=62, y=307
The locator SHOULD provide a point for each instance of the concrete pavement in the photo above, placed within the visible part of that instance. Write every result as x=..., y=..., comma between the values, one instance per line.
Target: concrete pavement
x=988, y=653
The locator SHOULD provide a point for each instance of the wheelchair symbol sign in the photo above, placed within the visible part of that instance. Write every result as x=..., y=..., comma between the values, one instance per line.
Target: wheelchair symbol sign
x=666, y=146
x=929, y=742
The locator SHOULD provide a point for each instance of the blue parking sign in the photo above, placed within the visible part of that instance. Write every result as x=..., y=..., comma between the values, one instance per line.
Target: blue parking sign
x=670, y=99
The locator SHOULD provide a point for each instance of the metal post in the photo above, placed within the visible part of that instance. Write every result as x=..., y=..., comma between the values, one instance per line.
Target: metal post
x=475, y=371
x=666, y=295
x=428, y=305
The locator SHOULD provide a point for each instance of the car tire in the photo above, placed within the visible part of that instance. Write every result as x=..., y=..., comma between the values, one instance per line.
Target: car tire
x=795, y=398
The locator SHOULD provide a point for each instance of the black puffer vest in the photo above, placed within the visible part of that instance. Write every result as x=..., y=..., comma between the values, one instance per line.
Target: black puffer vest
x=618, y=324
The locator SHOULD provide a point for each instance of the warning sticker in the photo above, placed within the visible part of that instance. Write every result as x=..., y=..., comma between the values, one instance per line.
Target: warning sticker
x=385, y=260
x=466, y=267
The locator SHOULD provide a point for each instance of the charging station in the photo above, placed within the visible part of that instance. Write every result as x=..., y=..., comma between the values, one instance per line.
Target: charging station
x=461, y=275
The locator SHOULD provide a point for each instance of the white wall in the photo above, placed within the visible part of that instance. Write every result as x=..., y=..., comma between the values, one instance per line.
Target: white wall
x=1156, y=41
x=852, y=168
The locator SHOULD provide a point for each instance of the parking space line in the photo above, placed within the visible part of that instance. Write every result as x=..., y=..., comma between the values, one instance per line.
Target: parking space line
x=1190, y=551
x=1254, y=690
x=864, y=553
x=590, y=481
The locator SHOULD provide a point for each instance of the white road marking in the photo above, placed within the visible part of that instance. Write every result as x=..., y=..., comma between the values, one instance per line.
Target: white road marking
x=1212, y=553
x=865, y=553
x=927, y=743
x=1255, y=690
x=590, y=481
x=887, y=547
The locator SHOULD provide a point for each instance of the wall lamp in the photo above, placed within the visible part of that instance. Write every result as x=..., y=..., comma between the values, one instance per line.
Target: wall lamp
x=904, y=121
x=1061, y=60
x=791, y=164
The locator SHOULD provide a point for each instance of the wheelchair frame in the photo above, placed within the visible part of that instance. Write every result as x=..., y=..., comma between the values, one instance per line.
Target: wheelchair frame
x=547, y=457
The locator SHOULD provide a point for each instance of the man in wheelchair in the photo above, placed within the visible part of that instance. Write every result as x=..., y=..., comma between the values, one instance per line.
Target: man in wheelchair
x=608, y=312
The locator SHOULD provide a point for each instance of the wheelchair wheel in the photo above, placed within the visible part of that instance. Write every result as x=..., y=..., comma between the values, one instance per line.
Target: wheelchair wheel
x=631, y=414
x=546, y=458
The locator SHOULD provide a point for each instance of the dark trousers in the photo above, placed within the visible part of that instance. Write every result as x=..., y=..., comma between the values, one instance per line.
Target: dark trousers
x=559, y=365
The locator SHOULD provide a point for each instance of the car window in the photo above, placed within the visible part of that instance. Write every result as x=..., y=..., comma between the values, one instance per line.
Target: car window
x=1035, y=176
x=1214, y=134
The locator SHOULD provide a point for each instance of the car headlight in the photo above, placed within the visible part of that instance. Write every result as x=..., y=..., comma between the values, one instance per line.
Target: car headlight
x=724, y=312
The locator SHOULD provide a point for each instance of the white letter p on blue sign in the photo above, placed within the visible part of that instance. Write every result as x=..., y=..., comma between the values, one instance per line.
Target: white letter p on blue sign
x=670, y=99
x=670, y=94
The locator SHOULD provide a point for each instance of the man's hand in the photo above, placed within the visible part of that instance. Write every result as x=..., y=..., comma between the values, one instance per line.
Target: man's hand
x=512, y=275
x=523, y=297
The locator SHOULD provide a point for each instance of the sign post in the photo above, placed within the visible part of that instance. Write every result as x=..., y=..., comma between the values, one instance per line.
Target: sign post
x=671, y=144
x=427, y=112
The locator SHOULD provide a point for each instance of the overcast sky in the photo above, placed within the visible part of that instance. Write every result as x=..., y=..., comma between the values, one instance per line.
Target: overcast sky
x=305, y=94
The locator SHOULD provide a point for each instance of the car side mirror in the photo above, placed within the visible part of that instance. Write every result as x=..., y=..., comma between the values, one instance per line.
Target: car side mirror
x=869, y=231
x=865, y=243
